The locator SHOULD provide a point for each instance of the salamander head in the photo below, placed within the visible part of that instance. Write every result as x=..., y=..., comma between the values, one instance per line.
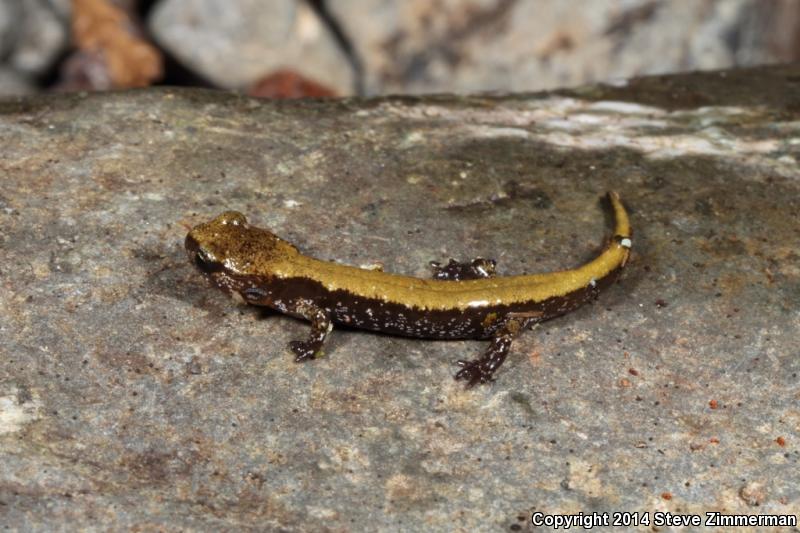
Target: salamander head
x=231, y=252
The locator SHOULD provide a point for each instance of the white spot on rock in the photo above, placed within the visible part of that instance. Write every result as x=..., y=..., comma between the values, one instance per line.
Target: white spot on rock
x=14, y=416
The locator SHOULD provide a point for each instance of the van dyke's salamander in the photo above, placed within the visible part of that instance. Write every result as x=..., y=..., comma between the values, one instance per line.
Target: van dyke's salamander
x=464, y=300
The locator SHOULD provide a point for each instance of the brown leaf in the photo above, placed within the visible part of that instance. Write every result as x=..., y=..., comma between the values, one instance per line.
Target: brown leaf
x=287, y=83
x=104, y=30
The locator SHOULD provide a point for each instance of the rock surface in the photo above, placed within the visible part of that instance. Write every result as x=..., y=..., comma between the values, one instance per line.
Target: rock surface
x=135, y=397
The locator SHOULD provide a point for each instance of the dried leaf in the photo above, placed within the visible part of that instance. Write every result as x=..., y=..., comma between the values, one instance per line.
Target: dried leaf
x=287, y=83
x=104, y=30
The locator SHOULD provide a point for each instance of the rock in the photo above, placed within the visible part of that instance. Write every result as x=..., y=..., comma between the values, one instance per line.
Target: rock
x=13, y=83
x=238, y=42
x=504, y=45
x=127, y=383
x=41, y=36
x=10, y=13
x=753, y=493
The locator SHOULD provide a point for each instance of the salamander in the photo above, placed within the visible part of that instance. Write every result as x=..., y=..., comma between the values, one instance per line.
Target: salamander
x=463, y=300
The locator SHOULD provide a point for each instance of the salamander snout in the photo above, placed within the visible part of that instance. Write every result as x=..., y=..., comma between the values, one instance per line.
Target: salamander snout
x=212, y=245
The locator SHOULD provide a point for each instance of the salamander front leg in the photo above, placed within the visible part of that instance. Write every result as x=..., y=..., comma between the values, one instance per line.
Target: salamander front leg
x=321, y=325
x=455, y=271
x=481, y=370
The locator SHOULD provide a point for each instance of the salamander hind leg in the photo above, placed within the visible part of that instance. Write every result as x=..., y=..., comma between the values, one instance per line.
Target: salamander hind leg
x=482, y=369
x=455, y=270
x=321, y=325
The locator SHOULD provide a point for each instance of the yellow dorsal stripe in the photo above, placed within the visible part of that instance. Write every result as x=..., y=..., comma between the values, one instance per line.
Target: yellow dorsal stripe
x=446, y=295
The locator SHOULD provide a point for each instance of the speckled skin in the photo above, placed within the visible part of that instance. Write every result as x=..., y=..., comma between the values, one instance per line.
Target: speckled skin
x=465, y=300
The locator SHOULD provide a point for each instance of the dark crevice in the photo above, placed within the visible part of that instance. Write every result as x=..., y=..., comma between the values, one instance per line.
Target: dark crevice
x=343, y=41
x=143, y=7
x=175, y=73
x=50, y=77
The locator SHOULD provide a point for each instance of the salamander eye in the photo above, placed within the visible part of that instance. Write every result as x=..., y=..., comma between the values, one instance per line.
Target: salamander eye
x=204, y=262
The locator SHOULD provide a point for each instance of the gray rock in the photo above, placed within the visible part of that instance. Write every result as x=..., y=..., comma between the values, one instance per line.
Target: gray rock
x=469, y=45
x=13, y=83
x=135, y=397
x=42, y=35
x=235, y=43
x=10, y=14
